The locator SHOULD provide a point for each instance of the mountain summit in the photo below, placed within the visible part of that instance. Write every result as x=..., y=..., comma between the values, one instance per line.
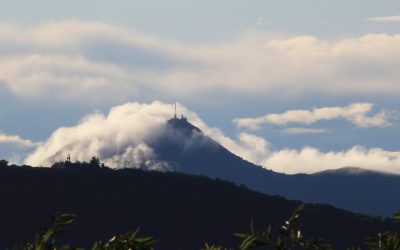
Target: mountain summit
x=187, y=149
x=183, y=125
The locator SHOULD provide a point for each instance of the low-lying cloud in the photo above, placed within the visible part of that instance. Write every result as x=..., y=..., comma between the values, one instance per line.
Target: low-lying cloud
x=356, y=113
x=310, y=160
x=120, y=139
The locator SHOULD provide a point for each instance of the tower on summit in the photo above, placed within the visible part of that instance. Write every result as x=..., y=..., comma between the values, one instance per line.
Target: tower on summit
x=175, y=110
x=183, y=118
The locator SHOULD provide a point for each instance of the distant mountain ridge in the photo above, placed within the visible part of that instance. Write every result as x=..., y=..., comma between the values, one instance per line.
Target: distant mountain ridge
x=190, y=151
x=351, y=170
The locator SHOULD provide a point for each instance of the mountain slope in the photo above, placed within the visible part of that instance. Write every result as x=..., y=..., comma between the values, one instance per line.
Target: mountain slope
x=187, y=149
x=170, y=206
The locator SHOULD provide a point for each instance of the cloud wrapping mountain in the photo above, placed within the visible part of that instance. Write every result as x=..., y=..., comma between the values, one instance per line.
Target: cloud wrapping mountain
x=123, y=137
x=118, y=138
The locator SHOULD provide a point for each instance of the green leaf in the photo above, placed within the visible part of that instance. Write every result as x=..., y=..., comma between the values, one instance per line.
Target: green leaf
x=46, y=236
x=248, y=242
x=397, y=216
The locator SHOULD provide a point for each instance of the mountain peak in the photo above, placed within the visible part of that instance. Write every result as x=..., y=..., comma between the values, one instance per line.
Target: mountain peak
x=182, y=124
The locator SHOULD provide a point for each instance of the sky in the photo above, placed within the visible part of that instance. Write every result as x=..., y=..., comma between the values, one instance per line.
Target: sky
x=295, y=86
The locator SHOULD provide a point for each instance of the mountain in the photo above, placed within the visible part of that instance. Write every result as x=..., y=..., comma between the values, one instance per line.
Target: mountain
x=188, y=150
x=349, y=171
x=172, y=207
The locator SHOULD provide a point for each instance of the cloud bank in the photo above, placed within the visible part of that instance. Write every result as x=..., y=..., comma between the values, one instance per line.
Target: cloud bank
x=120, y=139
x=17, y=140
x=310, y=160
x=356, y=113
x=94, y=61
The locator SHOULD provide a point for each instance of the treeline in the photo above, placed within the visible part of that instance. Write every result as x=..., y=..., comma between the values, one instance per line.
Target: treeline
x=94, y=163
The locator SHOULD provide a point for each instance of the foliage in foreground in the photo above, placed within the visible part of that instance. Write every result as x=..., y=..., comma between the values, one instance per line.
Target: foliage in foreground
x=47, y=239
x=289, y=236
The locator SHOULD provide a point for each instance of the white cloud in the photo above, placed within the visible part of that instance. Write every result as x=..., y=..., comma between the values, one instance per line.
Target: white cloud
x=300, y=131
x=94, y=61
x=62, y=76
x=17, y=140
x=386, y=19
x=119, y=139
x=356, y=113
x=310, y=160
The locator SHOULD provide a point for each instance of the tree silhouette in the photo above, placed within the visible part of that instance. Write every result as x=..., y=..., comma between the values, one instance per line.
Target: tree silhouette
x=94, y=162
x=3, y=163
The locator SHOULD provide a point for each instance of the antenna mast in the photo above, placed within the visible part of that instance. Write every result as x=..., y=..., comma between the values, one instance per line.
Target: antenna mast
x=175, y=110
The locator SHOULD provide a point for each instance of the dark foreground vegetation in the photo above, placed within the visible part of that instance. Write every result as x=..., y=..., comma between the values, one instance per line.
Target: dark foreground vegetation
x=289, y=236
x=180, y=211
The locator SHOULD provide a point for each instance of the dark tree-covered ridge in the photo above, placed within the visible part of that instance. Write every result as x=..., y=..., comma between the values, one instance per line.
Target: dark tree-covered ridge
x=173, y=207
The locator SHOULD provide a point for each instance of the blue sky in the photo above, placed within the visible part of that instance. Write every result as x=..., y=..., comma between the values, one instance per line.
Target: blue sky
x=205, y=21
x=223, y=60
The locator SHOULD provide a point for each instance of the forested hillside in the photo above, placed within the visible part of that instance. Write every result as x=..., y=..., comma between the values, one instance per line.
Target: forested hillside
x=172, y=207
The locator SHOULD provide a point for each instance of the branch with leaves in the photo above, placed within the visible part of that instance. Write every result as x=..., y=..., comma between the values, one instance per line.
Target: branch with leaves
x=289, y=236
x=385, y=241
x=47, y=239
